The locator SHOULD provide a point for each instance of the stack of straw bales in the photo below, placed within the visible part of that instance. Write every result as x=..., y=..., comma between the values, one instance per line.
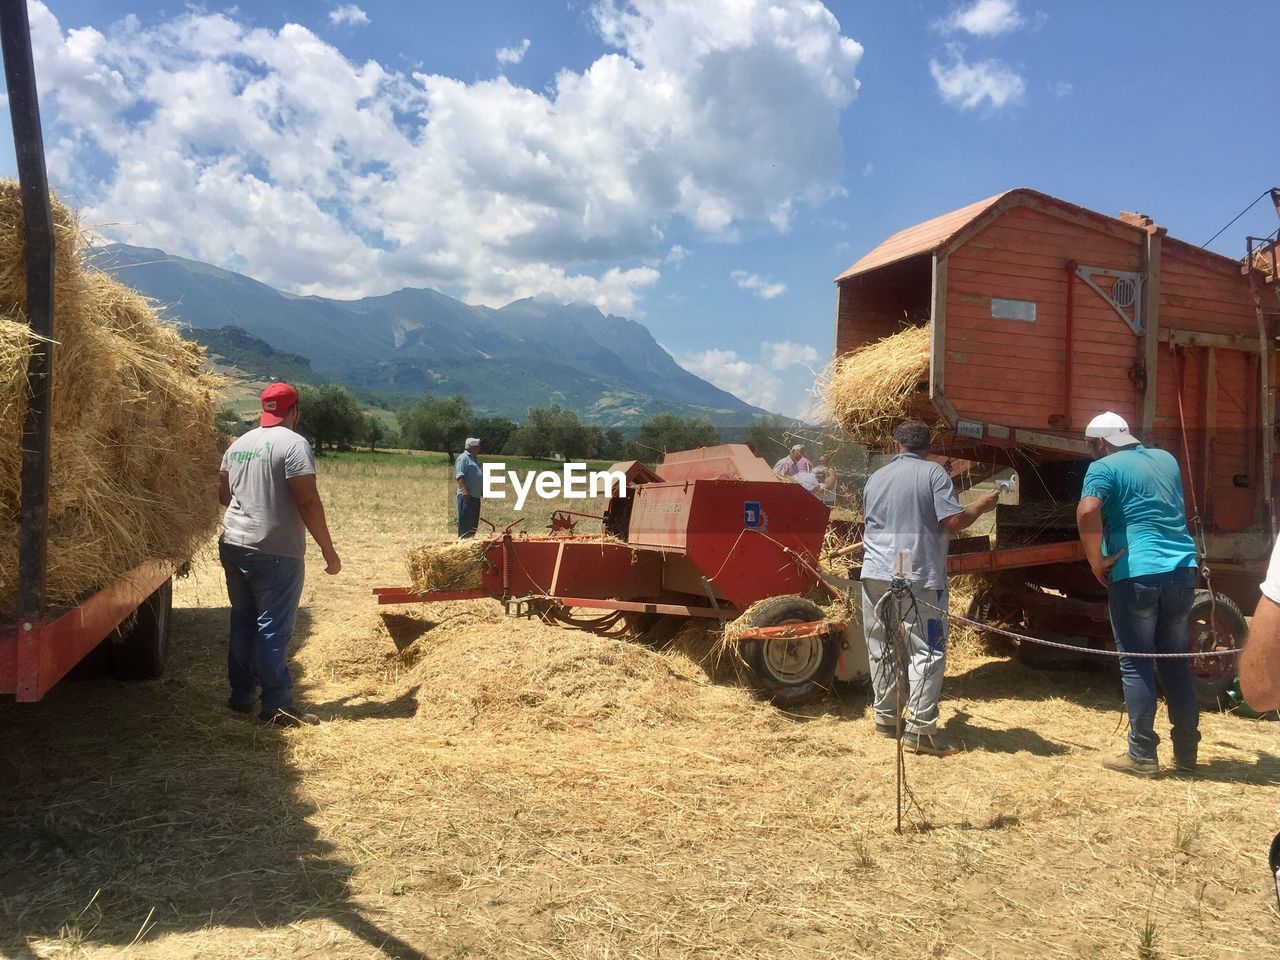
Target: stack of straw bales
x=135, y=452
x=447, y=565
x=872, y=389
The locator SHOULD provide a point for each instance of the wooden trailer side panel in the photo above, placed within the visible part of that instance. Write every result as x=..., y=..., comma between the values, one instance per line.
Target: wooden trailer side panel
x=1014, y=372
x=1218, y=387
x=1198, y=294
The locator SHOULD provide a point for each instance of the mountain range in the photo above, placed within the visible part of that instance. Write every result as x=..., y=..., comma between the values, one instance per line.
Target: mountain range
x=411, y=342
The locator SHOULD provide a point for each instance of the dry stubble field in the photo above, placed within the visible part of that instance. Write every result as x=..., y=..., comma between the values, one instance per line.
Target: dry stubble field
x=492, y=788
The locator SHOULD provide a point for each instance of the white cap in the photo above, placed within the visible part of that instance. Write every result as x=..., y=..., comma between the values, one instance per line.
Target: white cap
x=1112, y=428
x=472, y=442
x=798, y=446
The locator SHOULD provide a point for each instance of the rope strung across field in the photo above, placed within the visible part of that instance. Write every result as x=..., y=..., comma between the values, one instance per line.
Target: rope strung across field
x=1074, y=649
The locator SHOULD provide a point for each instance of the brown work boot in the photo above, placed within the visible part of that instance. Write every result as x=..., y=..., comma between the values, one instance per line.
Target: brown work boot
x=1126, y=763
x=928, y=743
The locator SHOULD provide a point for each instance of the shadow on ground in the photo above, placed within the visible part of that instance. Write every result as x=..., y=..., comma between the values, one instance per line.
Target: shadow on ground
x=138, y=810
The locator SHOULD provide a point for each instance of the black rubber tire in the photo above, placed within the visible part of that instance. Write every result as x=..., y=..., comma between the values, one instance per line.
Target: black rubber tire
x=814, y=677
x=1214, y=676
x=142, y=652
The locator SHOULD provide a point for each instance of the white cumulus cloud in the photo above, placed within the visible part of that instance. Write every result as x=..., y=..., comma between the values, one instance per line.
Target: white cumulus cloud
x=349, y=14
x=788, y=354
x=967, y=85
x=514, y=54
x=781, y=380
x=268, y=151
x=984, y=18
x=760, y=286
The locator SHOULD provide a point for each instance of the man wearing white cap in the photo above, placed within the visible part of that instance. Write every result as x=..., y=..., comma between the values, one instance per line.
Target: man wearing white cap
x=794, y=462
x=467, y=474
x=1133, y=524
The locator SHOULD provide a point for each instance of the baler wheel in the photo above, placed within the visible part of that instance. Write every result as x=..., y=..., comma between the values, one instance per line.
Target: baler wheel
x=790, y=672
x=1214, y=676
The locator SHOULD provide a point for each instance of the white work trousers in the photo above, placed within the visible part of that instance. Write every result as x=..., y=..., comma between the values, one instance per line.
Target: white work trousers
x=922, y=637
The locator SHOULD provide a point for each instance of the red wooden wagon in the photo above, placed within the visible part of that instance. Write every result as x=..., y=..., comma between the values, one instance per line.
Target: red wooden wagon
x=1044, y=314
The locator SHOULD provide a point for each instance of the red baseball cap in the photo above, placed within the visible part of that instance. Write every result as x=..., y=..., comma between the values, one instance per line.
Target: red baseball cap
x=277, y=400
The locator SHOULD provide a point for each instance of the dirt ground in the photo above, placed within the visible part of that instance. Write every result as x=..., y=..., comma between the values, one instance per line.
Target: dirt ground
x=483, y=787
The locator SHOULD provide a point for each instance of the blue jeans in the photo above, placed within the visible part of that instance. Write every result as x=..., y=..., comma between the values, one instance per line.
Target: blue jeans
x=1149, y=615
x=264, y=591
x=468, y=516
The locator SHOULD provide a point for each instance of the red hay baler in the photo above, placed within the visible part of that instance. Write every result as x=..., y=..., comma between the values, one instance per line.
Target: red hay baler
x=710, y=534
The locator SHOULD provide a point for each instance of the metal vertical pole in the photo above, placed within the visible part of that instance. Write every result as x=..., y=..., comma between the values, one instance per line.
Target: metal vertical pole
x=20, y=78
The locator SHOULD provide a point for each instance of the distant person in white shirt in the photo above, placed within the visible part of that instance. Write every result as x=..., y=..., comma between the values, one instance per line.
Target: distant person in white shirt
x=1260, y=662
x=793, y=463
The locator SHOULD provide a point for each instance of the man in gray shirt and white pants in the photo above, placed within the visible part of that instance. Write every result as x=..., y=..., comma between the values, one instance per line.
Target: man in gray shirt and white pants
x=910, y=503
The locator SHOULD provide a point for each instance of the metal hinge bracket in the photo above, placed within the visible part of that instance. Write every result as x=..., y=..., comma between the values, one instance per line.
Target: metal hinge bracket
x=1125, y=293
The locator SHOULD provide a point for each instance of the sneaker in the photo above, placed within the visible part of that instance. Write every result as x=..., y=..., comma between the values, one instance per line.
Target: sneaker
x=295, y=716
x=928, y=743
x=239, y=707
x=1184, y=766
x=1129, y=764
x=889, y=730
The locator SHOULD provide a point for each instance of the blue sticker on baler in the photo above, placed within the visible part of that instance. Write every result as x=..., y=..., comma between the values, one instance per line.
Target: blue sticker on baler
x=753, y=517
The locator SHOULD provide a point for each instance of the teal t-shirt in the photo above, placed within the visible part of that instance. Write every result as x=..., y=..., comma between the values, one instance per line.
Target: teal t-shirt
x=1142, y=511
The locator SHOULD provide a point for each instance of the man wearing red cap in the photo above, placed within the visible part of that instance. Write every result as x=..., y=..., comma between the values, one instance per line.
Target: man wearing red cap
x=268, y=485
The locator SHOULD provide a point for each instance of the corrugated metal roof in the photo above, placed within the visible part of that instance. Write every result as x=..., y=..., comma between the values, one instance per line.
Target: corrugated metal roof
x=922, y=238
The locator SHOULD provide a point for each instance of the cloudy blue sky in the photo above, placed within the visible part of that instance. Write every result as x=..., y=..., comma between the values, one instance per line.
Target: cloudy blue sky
x=705, y=166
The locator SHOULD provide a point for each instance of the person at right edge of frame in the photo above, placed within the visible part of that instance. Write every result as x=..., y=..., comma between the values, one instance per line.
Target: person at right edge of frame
x=468, y=476
x=910, y=503
x=1133, y=525
x=1260, y=660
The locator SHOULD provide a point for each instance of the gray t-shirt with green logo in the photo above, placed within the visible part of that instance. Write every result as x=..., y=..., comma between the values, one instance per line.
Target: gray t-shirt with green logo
x=262, y=515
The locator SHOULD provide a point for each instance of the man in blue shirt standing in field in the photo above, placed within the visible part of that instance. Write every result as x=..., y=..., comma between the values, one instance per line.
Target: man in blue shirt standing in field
x=1133, y=525
x=466, y=472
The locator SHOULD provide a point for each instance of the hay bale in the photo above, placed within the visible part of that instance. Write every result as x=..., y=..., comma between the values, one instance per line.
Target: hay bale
x=873, y=388
x=448, y=565
x=135, y=452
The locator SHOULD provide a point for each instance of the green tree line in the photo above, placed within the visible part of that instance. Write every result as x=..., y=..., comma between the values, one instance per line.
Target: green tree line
x=332, y=418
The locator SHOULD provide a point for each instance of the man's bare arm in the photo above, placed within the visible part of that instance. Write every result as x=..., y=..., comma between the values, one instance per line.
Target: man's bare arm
x=966, y=517
x=306, y=497
x=1260, y=662
x=224, y=489
x=1089, y=523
